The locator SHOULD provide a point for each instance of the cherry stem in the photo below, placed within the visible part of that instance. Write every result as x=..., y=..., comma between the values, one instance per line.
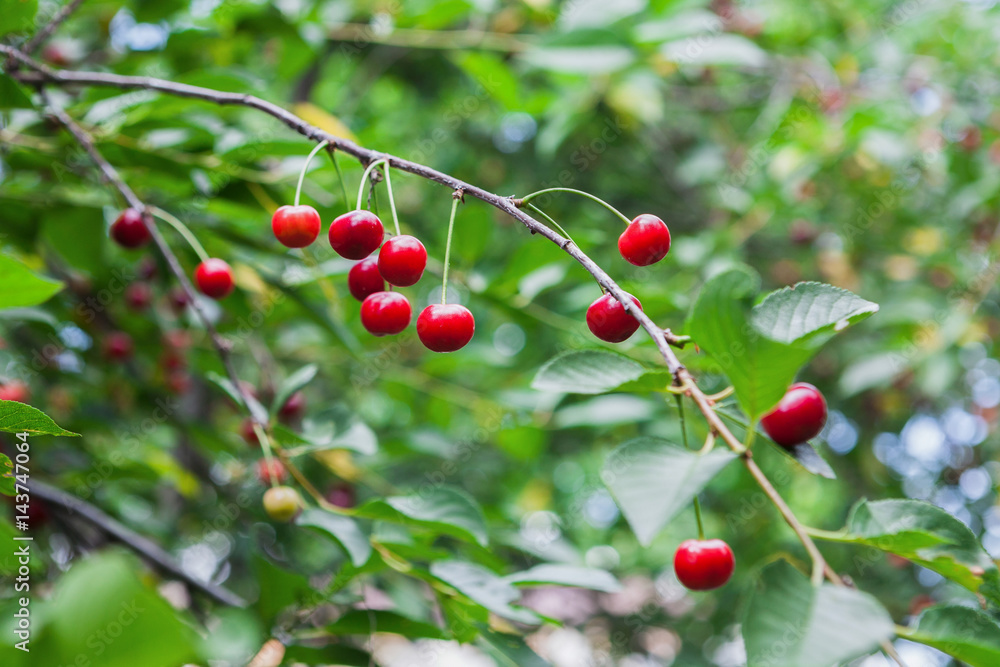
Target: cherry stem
x=527, y=199
x=552, y=222
x=182, y=229
x=455, y=197
x=388, y=186
x=265, y=444
x=340, y=175
x=305, y=167
x=684, y=437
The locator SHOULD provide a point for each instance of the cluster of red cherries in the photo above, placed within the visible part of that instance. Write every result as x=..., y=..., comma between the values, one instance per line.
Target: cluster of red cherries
x=702, y=565
x=401, y=262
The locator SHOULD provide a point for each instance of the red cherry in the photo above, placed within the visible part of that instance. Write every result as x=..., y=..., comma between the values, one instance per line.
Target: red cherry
x=248, y=433
x=799, y=415
x=214, y=278
x=293, y=408
x=445, y=327
x=177, y=339
x=129, y=230
x=702, y=565
x=357, y=234
x=296, y=226
x=364, y=279
x=15, y=390
x=385, y=313
x=402, y=260
x=138, y=296
x=147, y=268
x=179, y=382
x=608, y=320
x=178, y=299
x=341, y=495
x=645, y=241
x=276, y=470
x=173, y=360
x=118, y=346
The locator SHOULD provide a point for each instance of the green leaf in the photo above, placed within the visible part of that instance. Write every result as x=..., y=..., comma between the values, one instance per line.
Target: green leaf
x=292, y=384
x=508, y=650
x=809, y=313
x=762, y=348
x=791, y=623
x=21, y=287
x=256, y=409
x=962, y=632
x=102, y=592
x=587, y=372
x=484, y=588
x=362, y=622
x=342, y=529
x=445, y=509
x=566, y=575
x=20, y=418
x=78, y=236
x=12, y=95
x=6, y=475
x=17, y=15
x=926, y=535
x=653, y=479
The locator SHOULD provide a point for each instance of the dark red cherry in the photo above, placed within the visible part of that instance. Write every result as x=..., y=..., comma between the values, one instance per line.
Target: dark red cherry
x=248, y=433
x=645, y=241
x=296, y=226
x=117, y=346
x=702, y=565
x=357, y=234
x=129, y=230
x=799, y=416
x=178, y=300
x=138, y=296
x=293, y=408
x=364, y=279
x=608, y=320
x=402, y=260
x=214, y=278
x=445, y=327
x=385, y=313
x=341, y=495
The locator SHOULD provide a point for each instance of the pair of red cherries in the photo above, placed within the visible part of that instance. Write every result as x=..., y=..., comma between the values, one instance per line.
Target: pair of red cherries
x=645, y=241
x=401, y=263
x=799, y=416
x=213, y=277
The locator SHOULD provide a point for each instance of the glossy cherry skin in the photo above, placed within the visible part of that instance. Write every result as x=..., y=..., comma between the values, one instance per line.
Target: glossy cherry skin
x=15, y=390
x=402, y=260
x=282, y=503
x=445, y=327
x=357, y=234
x=293, y=408
x=118, y=346
x=296, y=226
x=799, y=415
x=276, y=470
x=129, y=230
x=138, y=296
x=609, y=321
x=702, y=565
x=645, y=241
x=214, y=278
x=385, y=313
x=364, y=279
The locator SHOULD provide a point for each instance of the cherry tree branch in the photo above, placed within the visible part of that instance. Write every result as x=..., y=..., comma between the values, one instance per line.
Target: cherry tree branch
x=663, y=339
x=46, y=31
x=141, y=545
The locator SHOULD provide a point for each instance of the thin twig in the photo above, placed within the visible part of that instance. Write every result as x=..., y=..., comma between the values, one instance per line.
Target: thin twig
x=141, y=545
x=46, y=31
